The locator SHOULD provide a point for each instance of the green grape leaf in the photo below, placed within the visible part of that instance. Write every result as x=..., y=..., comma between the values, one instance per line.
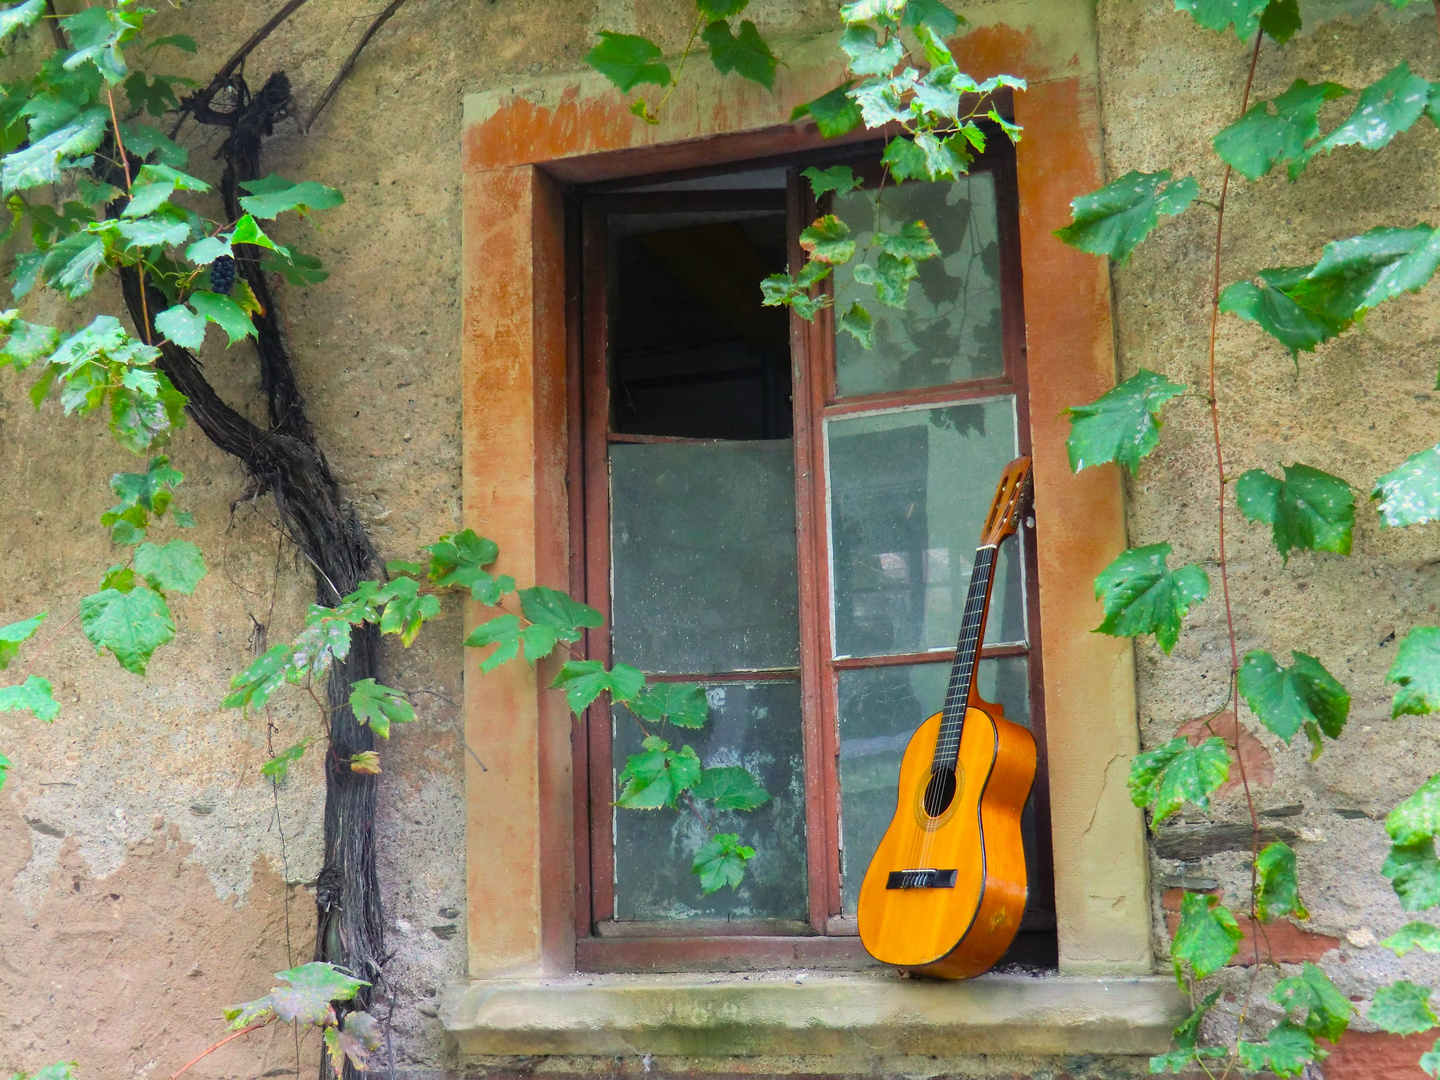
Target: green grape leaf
x=682, y=704
x=274, y=195
x=721, y=861
x=326, y=637
x=1285, y=1052
x=905, y=160
x=1188, y=1033
x=628, y=60
x=1265, y=303
x=34, y=694
x=305, y=999
x=379, y=706
x=858, y=324
x=1277, y=890
x=1327, y=1010
x=828, y=240
x=1414, y=873
x=1402, y=1008
x=1286, y=699
x=176, y=567
x=69, y=266
x=1361, y=272
x=1182, y=1060
x=585, y=680
x=16, y=633
x=1417, y=671
x=1385, y=109
x=5, y=764
x=932, y=14
x=64, y=1070
x=132, y=625
x=839, y=179
x=867, y=56
x=1207, y=936
x=656, y=776
x=225, y=313
x=40, y=162
x=1281, y=20
x=502, y=631
x=730, y=788
x=360, y=1036
x=554, y=617
x=27, y=343
x=913, y=241
x=1142, y=595
x=890, y=276
x=858, y=11
x=1415, y=935
x=1122, y=425
x=1169, y=776
x=13, y=18
x=206, y=251
x=1410, y=494
x=96, y=35
x=167, y=226
x=1275, y=131
x=252, y=687
x=279, y=765
x=248, y=231
x=459, y=559
x=1430, y=1060
x=405, y=609
x=1219, y=15
x=1115, y=219
x=142, y=140
x=1418, y=817
x=782, y=290
x=835, y=113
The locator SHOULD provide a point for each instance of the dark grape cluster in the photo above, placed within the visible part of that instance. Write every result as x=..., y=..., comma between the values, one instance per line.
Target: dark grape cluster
x=222, y=275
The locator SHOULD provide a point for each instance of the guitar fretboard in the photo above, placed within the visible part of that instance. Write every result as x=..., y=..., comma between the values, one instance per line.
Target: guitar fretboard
x=962, y=672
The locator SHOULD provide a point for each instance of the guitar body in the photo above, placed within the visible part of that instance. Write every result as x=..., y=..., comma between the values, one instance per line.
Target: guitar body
x=954, y=932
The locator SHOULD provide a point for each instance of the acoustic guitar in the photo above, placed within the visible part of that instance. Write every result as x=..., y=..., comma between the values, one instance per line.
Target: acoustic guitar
x=946, y=889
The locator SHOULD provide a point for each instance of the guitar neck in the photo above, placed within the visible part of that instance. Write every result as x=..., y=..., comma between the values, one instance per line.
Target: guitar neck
x=967, y=652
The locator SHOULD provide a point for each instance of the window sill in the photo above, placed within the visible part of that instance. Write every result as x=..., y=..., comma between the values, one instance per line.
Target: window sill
x=782, y=1013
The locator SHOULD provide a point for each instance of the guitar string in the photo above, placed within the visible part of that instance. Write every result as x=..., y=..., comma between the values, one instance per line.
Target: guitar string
x=957, y=694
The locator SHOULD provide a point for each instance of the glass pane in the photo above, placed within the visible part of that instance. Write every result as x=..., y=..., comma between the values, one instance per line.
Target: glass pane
x=950, y=329
x=703, y=556
x=756, y=725
x=880, y=708
x=909, y=492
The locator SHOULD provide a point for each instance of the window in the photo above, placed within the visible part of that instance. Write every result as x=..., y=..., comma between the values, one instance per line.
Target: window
x=789, y=519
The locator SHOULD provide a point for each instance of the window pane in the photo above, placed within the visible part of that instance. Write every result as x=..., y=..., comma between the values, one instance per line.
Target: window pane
x=756, y=725
x=880, y=708
x=703, y=556
x=909, y=492
x=950, y=329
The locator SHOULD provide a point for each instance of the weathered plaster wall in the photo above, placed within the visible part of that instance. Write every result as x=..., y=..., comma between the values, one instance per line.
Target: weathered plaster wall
x=1356, y=408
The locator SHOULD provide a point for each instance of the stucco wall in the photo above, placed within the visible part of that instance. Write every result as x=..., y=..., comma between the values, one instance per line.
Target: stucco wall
x=143, y=863
x=1356, y=408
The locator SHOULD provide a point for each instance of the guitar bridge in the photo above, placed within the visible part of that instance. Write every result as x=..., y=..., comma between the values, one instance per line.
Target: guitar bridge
x=921, y=879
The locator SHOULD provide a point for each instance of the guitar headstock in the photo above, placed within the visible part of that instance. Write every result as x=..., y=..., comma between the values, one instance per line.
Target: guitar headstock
x=1011, y=495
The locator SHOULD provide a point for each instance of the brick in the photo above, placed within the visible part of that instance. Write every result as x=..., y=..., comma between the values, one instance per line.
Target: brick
x=1376, y=1055
x=1280, y=941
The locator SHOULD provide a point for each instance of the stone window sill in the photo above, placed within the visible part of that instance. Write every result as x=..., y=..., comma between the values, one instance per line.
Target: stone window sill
x=786, y=1013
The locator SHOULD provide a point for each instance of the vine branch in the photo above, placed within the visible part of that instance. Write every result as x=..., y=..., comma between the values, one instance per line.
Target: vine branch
x=345, y=68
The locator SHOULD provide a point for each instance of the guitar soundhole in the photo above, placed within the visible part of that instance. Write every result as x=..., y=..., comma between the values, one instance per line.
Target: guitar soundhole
x=940, y=792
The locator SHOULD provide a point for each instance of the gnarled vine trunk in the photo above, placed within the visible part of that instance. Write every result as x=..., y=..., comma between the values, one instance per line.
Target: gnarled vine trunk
x=285, y=459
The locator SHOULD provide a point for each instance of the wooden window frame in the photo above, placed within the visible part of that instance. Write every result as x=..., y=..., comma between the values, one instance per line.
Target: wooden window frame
x=829, y=938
